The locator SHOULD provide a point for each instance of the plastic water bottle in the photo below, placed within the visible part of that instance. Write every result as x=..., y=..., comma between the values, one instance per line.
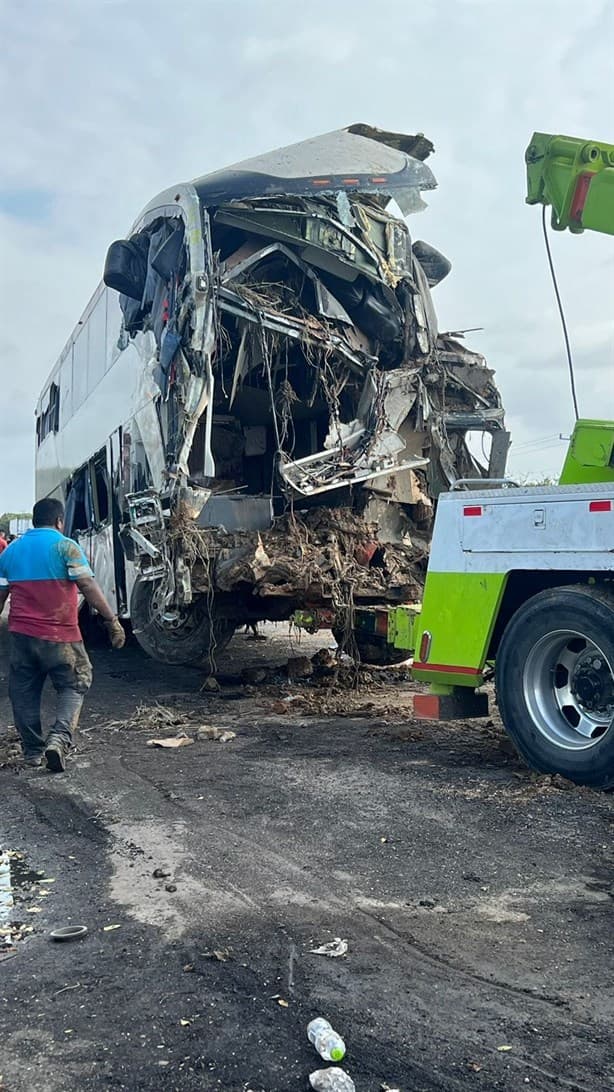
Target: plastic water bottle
x=328, y=1044
x=6, y=891
x=331, y=1080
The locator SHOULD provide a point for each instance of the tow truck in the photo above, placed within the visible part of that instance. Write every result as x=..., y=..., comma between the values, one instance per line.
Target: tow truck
x=519, y=584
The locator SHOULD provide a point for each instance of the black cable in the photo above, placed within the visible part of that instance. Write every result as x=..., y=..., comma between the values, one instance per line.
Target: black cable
x=572, y=381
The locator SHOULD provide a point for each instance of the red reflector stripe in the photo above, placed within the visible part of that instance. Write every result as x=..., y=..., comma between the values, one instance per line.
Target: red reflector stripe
x=451, y=668
x=578, y=200
x=379, y=179
x=320, y=182
x=351, y=181
x=473, y=510
x=600, y=506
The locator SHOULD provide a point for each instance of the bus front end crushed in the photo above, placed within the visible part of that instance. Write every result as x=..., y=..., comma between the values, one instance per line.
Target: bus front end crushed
x=279, y=408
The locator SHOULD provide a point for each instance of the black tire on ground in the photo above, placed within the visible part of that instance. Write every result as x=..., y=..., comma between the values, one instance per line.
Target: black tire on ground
x=555, y=683
x=196, y=639
x=372, y=651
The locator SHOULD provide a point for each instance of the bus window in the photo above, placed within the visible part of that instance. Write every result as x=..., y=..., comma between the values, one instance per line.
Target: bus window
x=99, y=482
x=79, y=371
x=114, y=326
x=96, y=361
x=78, y=515
x=66, y=388
x=49, y=417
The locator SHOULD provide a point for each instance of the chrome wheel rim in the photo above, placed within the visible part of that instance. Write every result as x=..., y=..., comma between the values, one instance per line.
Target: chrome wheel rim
x=568, y=688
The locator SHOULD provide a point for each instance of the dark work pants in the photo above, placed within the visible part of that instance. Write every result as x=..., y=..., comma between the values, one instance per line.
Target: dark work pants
x=70, y=671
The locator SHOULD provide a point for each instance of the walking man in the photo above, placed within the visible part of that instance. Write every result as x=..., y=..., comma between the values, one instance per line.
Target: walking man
x=42, y=572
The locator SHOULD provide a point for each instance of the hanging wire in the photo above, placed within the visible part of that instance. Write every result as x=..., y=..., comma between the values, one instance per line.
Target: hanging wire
x=572, y=381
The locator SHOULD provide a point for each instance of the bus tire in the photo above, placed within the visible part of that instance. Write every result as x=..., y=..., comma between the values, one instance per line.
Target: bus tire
x=555, y=683
x=195, y=640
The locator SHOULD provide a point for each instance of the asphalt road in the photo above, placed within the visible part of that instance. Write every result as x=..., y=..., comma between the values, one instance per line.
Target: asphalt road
x=476, y=900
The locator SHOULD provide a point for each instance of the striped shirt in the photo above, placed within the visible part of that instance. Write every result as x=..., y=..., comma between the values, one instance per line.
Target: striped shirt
x=40, y=570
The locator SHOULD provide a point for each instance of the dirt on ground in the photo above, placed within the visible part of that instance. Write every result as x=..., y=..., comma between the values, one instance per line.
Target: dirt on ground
x=476, y=898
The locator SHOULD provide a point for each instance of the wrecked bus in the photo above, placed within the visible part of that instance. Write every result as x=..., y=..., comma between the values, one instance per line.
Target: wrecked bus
x=256, y=411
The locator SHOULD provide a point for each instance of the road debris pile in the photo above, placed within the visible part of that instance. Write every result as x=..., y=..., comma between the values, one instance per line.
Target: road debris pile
x=309, y=409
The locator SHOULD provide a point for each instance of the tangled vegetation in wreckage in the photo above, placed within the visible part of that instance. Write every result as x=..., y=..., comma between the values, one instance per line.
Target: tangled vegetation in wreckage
x=338, y=410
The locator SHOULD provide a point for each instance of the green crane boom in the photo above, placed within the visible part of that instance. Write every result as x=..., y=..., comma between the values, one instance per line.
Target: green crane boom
x=575, y=177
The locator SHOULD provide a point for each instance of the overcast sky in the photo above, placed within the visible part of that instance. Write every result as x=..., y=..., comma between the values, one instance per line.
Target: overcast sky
x=106, y=102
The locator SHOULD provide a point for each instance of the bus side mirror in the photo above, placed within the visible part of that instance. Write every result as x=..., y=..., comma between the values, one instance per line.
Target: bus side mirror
x=125, y=268
x=435, y=265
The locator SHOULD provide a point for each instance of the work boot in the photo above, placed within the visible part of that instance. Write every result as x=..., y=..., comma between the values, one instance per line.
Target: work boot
x=55, y=753
x=33, y=760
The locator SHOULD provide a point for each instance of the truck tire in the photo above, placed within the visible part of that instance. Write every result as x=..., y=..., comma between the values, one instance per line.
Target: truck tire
x=195, y=638
x=555, y=683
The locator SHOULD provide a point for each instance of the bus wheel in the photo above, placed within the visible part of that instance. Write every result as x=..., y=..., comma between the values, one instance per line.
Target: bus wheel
x=555, y=683
x=192, y=636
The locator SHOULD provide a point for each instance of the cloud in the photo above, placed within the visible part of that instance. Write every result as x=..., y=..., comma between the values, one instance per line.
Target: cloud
x=109, y=103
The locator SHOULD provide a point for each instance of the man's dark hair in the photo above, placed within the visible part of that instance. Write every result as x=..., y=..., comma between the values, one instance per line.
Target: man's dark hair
x=47, y=512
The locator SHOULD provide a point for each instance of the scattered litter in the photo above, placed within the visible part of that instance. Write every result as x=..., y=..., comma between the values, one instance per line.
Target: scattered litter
x=47, y=880
x=328, y=1043
x=171, y=743
x=11, y=934
x=70, y=932
x=185, y=1023
x=475, y=1067
x=333, y=1079
x=389, y=1088
x=282, y=1002
x=108, y=928
x=222, y=954
x=220, y=735
x=334, y=948
x=503, y=1049
x=170, y=887
x=148, y=717
x=210, y=685
x=160, y=874
x=34, y=910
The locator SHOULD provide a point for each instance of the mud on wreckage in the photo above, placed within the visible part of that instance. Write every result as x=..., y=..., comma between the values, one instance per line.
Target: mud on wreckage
x=309, y=411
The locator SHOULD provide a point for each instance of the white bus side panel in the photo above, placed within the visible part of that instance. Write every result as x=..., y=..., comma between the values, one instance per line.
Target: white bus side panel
x=125, y=392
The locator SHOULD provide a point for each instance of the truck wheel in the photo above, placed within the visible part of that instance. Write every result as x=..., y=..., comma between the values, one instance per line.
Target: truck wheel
x=555, y=683
x=193, y=636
